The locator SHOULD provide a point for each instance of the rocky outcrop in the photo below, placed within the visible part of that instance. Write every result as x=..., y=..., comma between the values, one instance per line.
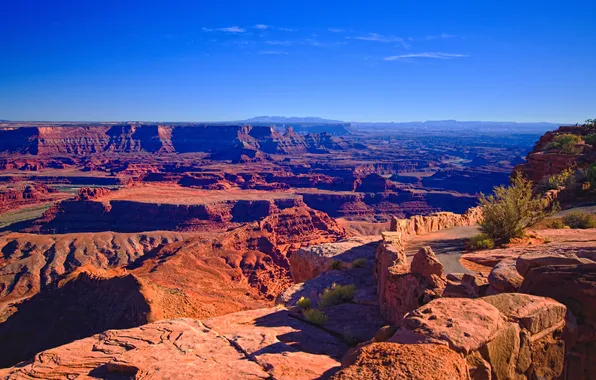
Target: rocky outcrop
x=184, y=279
x=308, y=262
x=131, y=138
x=504, y=277
x=260, y=344
x=30, y=263
x=94, y=214
x=15, y=196
x=383, y=205
x=507, y=335
x=284, y=233
x=574, y=286
x=406, y=288
x=401, y=287
x=541, y=162
x=388, y=361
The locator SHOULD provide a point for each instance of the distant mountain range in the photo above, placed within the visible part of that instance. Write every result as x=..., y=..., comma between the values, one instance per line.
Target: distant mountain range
x=283, y=119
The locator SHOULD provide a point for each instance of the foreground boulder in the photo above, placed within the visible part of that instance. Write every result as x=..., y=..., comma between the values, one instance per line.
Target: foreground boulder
x=574, y=286
x=388, y=361
x=403, y=287
x=506, y=336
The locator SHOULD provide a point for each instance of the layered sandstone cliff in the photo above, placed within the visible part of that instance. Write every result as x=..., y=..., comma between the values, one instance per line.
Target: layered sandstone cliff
x=130, y=138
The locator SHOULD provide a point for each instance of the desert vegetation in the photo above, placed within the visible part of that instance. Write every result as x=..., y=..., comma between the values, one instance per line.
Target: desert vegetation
x=579, y=219
x=314, y=316
x=511, y=209
x=359, y=263
x=304, y=303
x=336, y=295
x=481, y=241
x=566, y=143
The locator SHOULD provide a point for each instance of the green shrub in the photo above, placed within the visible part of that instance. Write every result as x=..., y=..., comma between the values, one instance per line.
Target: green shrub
x=579, y=219
x=590, y=139
x=314, y=316
x=359, y=263
x=337, y=294
x=304, y=303
x=481, y=241
x=562, y=179
x=336, y=264
x=565, y=143
x=557, y=224
x=512, y=209
x=591, y=175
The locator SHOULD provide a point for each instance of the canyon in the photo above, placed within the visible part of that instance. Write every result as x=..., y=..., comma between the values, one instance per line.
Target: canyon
x=176, y=251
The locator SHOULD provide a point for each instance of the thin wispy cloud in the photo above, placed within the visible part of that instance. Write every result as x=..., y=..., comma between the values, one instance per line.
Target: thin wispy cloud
x=230, y=29
x=336, y=30
x=378, y=38
x=442, y=36
x=282, y=43
x=381, y=38
x=287, y=29
x=425, y=55
x=270, y=52
x=261, y=26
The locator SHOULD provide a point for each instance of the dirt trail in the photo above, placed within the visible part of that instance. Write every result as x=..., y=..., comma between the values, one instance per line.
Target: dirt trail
x=448, y=246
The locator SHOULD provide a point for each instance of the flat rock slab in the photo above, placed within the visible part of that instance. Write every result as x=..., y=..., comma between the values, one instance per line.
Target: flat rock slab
x=286, y=346
x=172, y=349
x=255, y=344
x=464, y=324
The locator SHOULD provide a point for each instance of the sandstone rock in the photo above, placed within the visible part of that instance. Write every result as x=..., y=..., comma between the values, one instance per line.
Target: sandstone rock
x=528, y=261
x=311, y=261
x=285, y=346
x=465, y=285
x=464, y=324
x=388, y=361
x=478, y=368
x=174, y=349
x=535, y=314
x=574, y=286
x=426, y=264
x=504, y=278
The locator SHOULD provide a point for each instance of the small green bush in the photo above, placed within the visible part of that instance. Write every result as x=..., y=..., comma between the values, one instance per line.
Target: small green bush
x=304, y=303
x=314, y=316
x=591, y=175
x=557, y=224
x=562, y=179
x=481, y=241
x=336, y=264
x=512, y=209
x=565, y=143
x=337, y=294
x=579, y=219
x=359, y=263
x=590, y=139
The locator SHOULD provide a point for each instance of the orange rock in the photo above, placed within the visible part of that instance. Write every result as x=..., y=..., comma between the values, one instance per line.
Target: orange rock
x=388, y=361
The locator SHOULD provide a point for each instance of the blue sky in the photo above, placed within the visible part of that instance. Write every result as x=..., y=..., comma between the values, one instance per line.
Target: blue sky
x=347, y=60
